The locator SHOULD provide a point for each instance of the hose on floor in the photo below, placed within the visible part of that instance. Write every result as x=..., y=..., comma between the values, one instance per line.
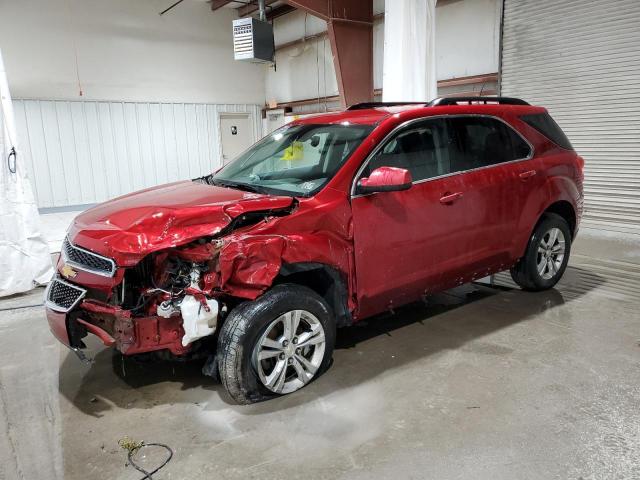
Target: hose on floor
x=134, y=447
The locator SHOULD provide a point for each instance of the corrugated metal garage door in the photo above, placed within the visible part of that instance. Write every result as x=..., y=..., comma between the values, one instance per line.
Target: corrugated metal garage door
x=581, y=60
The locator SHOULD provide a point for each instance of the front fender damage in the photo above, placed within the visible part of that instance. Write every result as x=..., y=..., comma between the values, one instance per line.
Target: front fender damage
x=248, y=265
x=178, y=296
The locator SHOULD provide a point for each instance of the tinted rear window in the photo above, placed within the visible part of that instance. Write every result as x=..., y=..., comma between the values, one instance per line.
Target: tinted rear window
x=549, y=128
x=482, y=141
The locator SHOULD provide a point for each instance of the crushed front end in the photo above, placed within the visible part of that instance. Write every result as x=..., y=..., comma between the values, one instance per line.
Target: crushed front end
x=143, y=272
x=166, y=303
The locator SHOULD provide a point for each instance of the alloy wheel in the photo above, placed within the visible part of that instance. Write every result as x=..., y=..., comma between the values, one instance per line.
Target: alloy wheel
x=290, y=351
x=551, y=252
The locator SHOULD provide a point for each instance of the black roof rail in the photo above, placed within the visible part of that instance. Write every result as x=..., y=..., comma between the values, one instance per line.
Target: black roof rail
x=368, y=105
x=455, y=100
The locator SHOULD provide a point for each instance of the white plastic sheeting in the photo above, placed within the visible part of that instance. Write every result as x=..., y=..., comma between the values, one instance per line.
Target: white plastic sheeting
x=24, y=254
x=409, y=71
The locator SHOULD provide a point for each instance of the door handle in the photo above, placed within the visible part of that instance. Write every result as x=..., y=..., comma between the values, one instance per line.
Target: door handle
x=524, y=176
x=449, y=198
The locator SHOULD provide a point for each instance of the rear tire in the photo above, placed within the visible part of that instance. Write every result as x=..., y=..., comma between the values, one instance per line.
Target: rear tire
x=290, y=329
x=547, y=255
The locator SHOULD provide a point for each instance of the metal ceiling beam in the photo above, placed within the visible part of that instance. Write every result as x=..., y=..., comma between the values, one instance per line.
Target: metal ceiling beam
x=216, y=4
x=319, y=8
x=247, y=10
x=352, y=10
x=279, y=11
x=350, y=28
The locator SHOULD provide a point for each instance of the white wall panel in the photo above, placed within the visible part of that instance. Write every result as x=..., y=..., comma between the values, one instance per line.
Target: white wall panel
x=87, y=152
x=467, y=37
x=303, y=71
x=378, y=52
x=296, y=25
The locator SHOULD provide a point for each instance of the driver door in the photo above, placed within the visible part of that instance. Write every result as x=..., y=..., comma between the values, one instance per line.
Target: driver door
x=407, y=241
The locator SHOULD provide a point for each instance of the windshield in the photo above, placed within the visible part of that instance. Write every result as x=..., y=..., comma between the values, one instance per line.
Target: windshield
x=294, y=160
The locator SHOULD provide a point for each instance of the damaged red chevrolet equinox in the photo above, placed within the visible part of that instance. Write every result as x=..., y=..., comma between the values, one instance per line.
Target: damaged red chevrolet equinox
x=324, y=222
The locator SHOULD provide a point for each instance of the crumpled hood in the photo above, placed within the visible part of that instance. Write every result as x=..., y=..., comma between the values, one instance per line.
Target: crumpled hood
x=132, y=226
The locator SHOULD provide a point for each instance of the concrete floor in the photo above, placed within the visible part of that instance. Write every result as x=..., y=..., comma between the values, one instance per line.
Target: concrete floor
x=481, y=383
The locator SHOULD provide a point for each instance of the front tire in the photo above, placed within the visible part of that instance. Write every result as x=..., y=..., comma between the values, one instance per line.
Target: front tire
x=547, y=255
x=276, y=344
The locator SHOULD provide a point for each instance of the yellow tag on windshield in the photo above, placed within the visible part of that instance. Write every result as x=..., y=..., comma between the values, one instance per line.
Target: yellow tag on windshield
x=295, y=151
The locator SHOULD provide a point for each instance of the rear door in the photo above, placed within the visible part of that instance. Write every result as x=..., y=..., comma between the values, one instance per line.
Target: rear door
x=492, y=160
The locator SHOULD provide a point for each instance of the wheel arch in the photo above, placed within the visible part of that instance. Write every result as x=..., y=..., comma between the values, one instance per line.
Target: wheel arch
x=564, y=209
x=323, y=279
x=559, y=195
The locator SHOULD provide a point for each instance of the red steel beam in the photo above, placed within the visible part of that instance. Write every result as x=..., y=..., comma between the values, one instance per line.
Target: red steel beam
x=350, y=28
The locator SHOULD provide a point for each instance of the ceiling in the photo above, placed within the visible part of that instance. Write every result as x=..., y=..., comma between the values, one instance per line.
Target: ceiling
x=249, y=7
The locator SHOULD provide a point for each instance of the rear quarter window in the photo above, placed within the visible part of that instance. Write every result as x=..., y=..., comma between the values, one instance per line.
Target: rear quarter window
x=547, y=126
x=483, y=141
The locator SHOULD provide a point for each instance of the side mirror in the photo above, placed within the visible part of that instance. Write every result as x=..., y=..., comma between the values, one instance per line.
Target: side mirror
x=385, y=179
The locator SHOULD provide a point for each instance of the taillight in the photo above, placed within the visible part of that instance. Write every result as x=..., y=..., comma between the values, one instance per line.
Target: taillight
x=580, y=162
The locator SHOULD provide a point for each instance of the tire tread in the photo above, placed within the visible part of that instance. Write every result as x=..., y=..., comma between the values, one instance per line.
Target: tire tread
x=522, y=273
x=233, y=334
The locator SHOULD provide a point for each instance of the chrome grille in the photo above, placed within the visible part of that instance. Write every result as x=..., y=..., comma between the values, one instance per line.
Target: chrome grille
x=62, y=296
x=88, y=261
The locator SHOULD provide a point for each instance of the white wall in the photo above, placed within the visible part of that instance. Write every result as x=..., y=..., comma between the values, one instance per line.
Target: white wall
x=86, y=152
x=467, y=37
x=467, y=43
x=126, y=52
x=303, y=72
x=153, y=86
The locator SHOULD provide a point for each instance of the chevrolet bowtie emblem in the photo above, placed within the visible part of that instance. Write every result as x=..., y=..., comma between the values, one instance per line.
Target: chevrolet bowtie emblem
x=68, y=272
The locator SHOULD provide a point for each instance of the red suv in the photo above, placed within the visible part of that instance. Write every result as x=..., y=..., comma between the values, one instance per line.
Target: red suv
x=324, y=222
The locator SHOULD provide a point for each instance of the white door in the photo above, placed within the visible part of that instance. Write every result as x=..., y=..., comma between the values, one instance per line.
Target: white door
x=236, y=135
x=275, y=120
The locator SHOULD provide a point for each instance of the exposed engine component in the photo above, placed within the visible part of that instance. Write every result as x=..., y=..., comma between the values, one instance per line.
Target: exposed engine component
x=199, y=319
x=176, y=275
x=194, y=275
x=166, y=309
x=175, y=289
x=199, y=315
x=181, y=280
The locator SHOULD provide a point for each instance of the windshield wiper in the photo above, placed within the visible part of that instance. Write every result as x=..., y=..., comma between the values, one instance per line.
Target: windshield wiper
x=239, y=186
